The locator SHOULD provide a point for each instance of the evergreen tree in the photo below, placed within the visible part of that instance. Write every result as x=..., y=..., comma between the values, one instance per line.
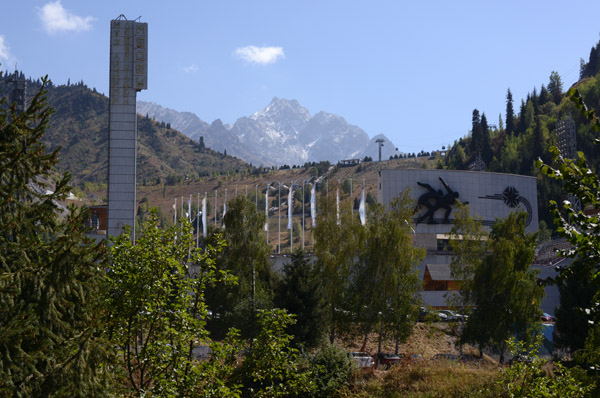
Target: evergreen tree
x=301, y=292
x=476, y=138
x=510, y=114
x=535, y=101
x=555, y=87
x=50, y=343
x=246, y=257
x=522, y=115
x=544, y=96
x=486, y=146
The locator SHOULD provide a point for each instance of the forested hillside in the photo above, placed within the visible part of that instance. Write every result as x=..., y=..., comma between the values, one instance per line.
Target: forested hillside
x=525, y=134
x=79, y=127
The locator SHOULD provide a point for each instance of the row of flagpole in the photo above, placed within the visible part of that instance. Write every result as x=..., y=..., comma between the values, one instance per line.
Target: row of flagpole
x=202, y=214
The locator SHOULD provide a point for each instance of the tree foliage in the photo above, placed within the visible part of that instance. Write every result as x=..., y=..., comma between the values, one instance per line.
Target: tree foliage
x=385, y=279
x=336, y=247
x=155, y=307
x=468, y=241
x=245, y=256
x=580, y=229
x=505, y=289
x=301, y=292
x=50, y=340
x=271, y=368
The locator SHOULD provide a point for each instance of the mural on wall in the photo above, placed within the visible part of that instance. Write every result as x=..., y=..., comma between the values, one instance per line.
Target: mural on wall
x=511, y=198
x=434, y=200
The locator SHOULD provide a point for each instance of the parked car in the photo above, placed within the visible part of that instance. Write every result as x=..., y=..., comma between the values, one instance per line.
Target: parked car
x=445, y=357
x=362, y=359
x=546, y=317
x=426, y=314
x=387, y=360
x=452, y=316
x=469, y=358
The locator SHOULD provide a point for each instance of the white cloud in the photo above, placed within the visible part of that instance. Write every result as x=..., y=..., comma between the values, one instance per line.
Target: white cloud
x=55, y=18
x=260, y=55
x=6, y=58
x=190, y=69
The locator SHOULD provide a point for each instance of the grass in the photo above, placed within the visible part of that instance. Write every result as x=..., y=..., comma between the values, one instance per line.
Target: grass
x=424, y=378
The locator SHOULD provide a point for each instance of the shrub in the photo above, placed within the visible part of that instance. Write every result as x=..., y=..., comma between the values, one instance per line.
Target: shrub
x=332, y=370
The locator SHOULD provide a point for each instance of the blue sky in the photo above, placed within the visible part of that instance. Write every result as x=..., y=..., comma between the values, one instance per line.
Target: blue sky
x=412, y=71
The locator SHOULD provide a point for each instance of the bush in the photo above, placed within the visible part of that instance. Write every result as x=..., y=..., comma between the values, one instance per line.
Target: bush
x=332, y=370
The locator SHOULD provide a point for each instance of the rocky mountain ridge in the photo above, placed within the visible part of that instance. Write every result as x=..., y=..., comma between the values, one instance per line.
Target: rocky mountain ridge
x=284, y=132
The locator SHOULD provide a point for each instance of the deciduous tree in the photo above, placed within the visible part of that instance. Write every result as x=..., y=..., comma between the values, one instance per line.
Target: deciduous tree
x=505, y=289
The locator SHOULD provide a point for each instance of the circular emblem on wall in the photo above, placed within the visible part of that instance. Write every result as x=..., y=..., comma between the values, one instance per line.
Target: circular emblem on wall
x=511, y=197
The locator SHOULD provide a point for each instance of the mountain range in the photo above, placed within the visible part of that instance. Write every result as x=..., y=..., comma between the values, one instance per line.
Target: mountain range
x=79, y=127
x=284, y=132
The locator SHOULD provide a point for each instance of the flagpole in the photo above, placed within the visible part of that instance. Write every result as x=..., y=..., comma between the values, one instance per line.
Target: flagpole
x=216, y=207
x=224, y=209
x=291, y=212
x=351, y=202
x=267, y=212
x=204, y=217
x=198, y=222
x=279, y=219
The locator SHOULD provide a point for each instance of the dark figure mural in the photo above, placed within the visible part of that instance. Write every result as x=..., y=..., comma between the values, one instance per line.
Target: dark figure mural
x=434, y=200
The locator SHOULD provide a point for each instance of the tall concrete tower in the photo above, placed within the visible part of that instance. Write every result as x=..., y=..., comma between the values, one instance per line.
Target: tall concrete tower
x=128, y=75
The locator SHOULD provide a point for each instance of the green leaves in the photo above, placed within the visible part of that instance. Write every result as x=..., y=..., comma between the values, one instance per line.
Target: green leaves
x=156, y=310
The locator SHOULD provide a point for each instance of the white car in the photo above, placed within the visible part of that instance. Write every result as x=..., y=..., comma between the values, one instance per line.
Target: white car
x=362, y=359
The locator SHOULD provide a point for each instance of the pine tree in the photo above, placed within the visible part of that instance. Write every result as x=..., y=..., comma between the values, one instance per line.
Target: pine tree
x=544, y=96
x=49, y=270
x=486, y=146
x=475, y=146
x=555, y=87
x=510, y=114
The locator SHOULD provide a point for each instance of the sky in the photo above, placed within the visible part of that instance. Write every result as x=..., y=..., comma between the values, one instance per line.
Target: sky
x=413, y=71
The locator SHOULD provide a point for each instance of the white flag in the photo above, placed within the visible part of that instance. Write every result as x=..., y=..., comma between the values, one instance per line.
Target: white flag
x=290, y=209
x=224, y=212
x=337, y=203
x=267, y=209
x=204, y=216
x=313, y=206
x=190, y=209
x=361, y=209
x=175, y=212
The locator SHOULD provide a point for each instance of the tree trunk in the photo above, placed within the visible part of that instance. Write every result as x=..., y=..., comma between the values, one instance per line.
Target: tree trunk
x=380, y=337
x=364, y=345
x=332, y=335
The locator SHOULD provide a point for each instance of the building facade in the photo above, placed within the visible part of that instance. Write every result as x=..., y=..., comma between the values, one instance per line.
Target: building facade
x=491, y=196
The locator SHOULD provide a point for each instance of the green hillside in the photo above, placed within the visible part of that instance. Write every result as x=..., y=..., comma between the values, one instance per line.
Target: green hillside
x=526, y=131
x=79, y=127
